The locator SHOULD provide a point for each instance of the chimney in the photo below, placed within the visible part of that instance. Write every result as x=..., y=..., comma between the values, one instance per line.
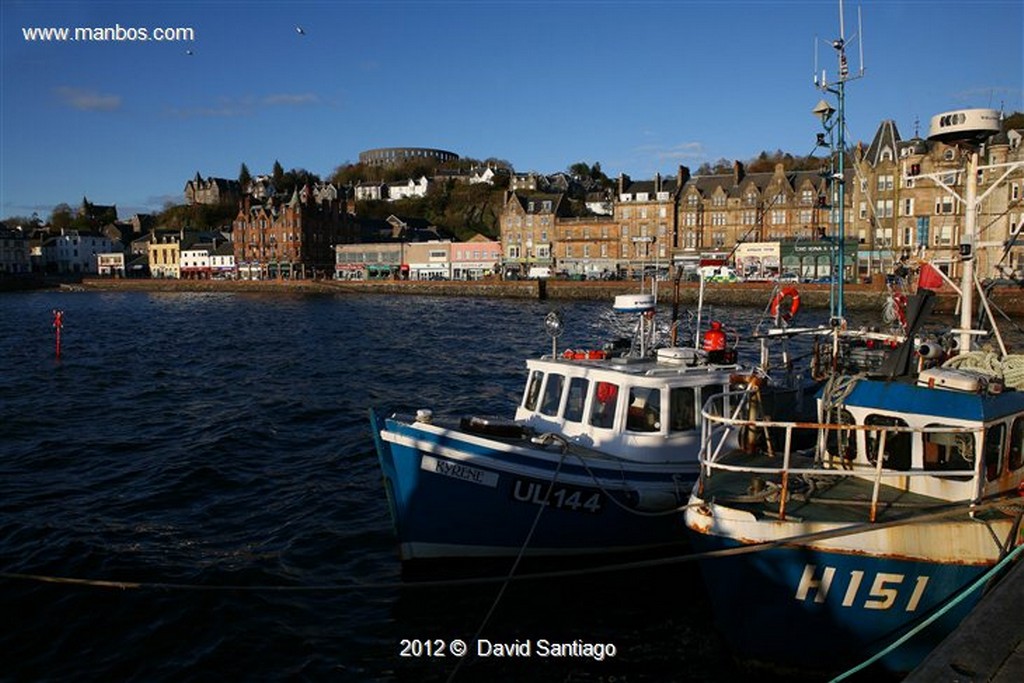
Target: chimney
x=684, y=176
x=737, y=172
x=623, y=181
x=657, y=182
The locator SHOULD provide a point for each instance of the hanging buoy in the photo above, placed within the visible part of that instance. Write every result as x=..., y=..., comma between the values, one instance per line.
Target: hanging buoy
x=794, y=304
x=714, y=339
x=58, y=323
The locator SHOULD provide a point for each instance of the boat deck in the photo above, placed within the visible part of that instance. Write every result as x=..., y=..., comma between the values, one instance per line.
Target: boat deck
x=845, y=499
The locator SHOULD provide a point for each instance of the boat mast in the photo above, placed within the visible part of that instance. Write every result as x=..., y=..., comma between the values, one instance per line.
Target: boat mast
x=967, y=240
x=965, y=130
x=838, y=199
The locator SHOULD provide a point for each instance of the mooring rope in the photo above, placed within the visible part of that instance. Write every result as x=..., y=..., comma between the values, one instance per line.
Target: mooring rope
x=935, y=513
x=982, y=580
x=519, y=556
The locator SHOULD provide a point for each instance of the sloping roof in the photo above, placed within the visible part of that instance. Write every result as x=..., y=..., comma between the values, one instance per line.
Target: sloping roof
x=887, y=137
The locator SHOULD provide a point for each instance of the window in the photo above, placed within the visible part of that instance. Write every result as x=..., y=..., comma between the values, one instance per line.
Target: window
x=948, y=450
x=863, y=207
x=884, y=183
x=1016, y=445
x=575, y=399
x=944, y=205
x=603, y=404
x=682, y=409
x=552, y=394
x=883, y=208
x=896, y=455
x=907, y=207
x=533, y=390
x=644, y=412
x=994, y=442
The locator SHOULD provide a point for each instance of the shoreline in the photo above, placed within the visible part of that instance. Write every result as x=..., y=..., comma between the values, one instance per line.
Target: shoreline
x=1008, y=298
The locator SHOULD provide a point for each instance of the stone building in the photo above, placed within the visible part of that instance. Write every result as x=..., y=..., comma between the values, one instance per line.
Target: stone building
x=212, y=191
x=393, y=156
x=527, y=225
x=293, y=239
x=906, y=203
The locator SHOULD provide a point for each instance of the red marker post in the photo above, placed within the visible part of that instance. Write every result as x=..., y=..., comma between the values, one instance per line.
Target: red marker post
x=58, y=323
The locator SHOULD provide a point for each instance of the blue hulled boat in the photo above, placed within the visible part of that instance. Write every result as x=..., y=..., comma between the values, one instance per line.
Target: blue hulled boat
x=863, y=548
x=601, y=453
x=910, y=496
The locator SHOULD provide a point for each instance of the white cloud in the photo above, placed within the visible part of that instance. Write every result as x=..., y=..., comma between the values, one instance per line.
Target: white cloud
x=248, y=104
x=684, y=151
x=87, y=100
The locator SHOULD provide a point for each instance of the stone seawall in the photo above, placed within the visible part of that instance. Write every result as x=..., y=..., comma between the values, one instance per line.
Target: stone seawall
x=1010, y=299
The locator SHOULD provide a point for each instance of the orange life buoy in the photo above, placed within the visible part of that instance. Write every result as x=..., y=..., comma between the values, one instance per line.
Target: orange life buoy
x=794, y=305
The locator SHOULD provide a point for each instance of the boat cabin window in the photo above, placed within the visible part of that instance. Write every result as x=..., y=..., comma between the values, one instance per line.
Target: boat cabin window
x=682, y=409
x=716, y=407
x=577, y=397
x=994, y=440
x=896, y=455
x=533, y=390
x=948, y=450
x=644, y=411
x=839, y=443
x=603, y=404
x=1017, y=445
x=552, y=394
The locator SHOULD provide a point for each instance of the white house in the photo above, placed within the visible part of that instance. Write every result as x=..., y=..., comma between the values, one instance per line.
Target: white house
x=371, y=191
x=110, y=264
x=222, y=261
x=407, y=189
x=75, y=252
x=485, y=175
x=194, y=262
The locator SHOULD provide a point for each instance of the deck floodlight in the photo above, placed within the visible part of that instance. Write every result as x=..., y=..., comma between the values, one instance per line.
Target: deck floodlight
x=823, y=110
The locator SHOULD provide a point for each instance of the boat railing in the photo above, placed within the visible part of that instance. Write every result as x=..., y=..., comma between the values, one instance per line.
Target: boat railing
x=719, y=427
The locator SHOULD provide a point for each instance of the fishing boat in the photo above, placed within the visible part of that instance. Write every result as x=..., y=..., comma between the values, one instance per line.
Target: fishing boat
x=600, y=454
x=863, y=548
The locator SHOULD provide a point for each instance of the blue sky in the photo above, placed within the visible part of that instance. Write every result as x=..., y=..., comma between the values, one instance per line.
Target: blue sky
x=640, y=87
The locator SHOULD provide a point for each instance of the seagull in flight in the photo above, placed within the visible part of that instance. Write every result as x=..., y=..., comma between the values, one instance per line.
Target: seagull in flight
x=301, y=31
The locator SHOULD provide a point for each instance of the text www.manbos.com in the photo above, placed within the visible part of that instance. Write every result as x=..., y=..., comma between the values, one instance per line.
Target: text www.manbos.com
x=115, y=33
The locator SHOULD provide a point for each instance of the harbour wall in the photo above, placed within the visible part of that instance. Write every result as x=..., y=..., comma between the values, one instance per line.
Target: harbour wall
x=1008, y=298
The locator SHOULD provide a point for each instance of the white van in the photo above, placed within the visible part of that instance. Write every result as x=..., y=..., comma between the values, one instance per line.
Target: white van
x=539, y=272
x=718, y=274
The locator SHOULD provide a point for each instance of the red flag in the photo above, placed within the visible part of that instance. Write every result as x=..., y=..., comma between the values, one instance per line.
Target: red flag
x=929, y=278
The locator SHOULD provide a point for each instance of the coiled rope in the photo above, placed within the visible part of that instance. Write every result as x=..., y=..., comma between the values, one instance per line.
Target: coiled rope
x=1009, y=369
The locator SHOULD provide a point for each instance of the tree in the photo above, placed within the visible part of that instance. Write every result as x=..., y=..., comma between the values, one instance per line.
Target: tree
x=277, y=175
x=244, y=178
x=61, y=216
